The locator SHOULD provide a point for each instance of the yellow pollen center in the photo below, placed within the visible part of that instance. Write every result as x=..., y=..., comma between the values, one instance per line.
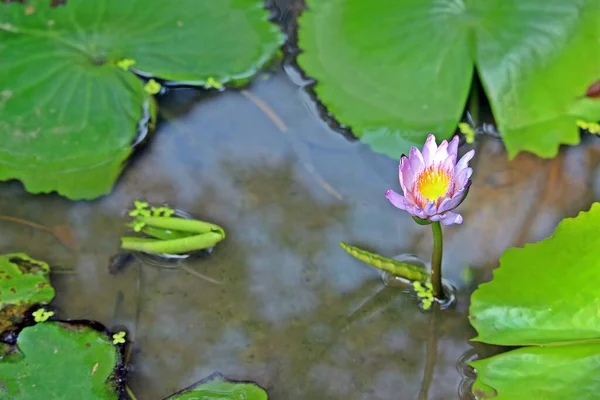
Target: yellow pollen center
x=433, y=183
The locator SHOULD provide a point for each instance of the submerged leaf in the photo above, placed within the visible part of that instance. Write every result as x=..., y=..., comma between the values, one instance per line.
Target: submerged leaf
x=216, y=386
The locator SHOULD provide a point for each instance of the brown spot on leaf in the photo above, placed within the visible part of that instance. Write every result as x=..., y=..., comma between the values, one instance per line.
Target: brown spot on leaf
x=13, y=290
x=594, y=90
x=27, y=266
x=11, y=315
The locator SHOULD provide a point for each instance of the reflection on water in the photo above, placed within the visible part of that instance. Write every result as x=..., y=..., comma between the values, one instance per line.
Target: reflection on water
x=293, y=311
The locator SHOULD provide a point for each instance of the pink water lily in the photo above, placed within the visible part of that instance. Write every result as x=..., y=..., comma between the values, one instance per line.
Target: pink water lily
x=433, y=182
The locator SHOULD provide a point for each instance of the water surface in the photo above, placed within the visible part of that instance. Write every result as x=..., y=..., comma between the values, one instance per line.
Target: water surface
x=294, y=312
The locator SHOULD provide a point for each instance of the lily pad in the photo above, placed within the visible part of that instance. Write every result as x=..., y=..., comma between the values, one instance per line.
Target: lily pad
x=56, y=360
x=394, y=71
x=23, y=283
x=216, y=386
x=549, y=373
x=70, y=105
x=544, y=294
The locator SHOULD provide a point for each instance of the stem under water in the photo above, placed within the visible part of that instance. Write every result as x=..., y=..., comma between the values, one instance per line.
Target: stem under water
x=436, y=260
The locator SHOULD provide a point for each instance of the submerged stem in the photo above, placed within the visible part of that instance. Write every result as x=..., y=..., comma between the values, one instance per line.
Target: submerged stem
x=436, y=260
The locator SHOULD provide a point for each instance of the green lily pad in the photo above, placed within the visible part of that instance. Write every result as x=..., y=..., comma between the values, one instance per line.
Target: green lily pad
x=217, y=387
x=23, y=283
x=544, y=294
x=70, y=105
x=394, y=71
x=549, y=373
x=60, y=361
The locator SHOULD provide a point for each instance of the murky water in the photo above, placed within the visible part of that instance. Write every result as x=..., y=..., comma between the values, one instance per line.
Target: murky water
x=293, y=311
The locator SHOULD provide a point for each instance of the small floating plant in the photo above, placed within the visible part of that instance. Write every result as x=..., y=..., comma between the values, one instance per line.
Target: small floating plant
x=434, y=183
x=168, y=232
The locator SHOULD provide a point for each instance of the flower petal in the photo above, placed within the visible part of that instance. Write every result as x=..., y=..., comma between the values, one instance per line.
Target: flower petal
x=462, y=178
x=406, y=175
x=418, y=212
x=448, y=218
x=397, y=200
x=429, y=149
x=449, y=163
x=441, y=153
x=430, y=208
x=464, y=161
x=451, y=203
x=410, y=198
x=453, y=147
x=415, y=159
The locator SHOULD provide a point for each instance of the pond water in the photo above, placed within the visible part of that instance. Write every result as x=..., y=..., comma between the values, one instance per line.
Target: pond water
x=292, y=311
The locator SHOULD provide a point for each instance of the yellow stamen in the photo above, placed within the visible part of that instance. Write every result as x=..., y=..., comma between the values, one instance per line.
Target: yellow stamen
x=433, y=183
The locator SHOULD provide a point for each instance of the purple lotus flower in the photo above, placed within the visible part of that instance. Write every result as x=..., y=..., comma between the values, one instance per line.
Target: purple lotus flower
x=433, y=182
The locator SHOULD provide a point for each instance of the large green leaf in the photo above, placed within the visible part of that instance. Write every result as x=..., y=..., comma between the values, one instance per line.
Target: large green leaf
x=216, y=386
x=394, y=71
x=544, y=294
x=23, y=283
x=69, y=114
x=567, y=372
x=60, y=361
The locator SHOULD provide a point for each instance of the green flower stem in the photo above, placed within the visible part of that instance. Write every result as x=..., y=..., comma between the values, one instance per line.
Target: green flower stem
x=397, y=268
x=181, y=224
x=130, y=393
x=175, y=246
x=436, y=260
x=473, y=105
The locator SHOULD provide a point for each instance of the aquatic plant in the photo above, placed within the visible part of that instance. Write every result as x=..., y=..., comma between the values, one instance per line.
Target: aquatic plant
x=544, y=299
x=72, y=128
x=434, y=184
x=165, y=232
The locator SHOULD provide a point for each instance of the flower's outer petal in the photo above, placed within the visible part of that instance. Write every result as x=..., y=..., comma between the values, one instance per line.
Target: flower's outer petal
x=450, y=218
x=397, y=200
x=418, y=212
x=410, y=198
x=441, y=154
x=430, y=208
x=415, y=159
x=449, y=163
x=460, y=180
x=406, y=175
x=464, y=161
x=451, y=203
x=429, y=149
x=453, y=147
